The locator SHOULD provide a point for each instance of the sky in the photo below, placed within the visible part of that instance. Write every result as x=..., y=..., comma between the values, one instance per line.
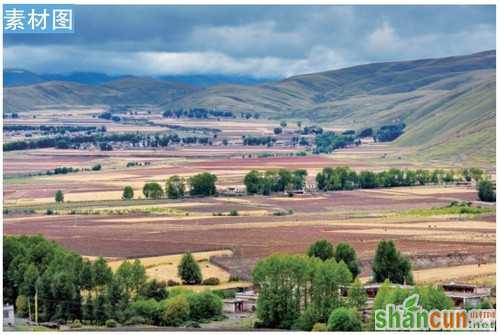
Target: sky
x=256, y=41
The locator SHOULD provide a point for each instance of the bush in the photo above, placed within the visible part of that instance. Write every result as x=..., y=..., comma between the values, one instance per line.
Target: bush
x=319, y=327
x=49, y=211
x=75, y=324
x=233, y=278
x=234, y=212
x=128, y=193
x=344, y=319
x=150, y=310
x=59, y=197
x=307, y=319
x=211, y=281
x=96, y=167
x=111, y=323
x=204, y=306
x=485, y=191
x=21, y=306
x=177, y=311
x=171, y=282
x=192, y=324
x=135, y=320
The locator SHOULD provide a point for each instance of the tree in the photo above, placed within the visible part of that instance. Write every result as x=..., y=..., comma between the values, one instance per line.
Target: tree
x=281, y=280
x=203, y=184
x=59, y=196
x=277, y=131
x=175, y=187
x=101, y=309
x=283, y=124
x=356, y=295
x=344, y=319
x=128, y=193
x=299, y=179
x=152, y=191
x=176, y=311
x=253, y=182
x=344, y=252
x=327, y=279
x=367, y=179
x=102, y=273
x=485, y=191
x=322, y=249
x=189, y=270
x=388, y=263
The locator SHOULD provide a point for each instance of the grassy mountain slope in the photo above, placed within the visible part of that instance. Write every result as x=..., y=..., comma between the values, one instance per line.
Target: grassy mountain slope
x=130, y=90
x=448, y=104
x=460, y=126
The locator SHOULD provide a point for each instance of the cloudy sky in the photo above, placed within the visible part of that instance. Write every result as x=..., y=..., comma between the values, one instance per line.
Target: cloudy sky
x=260, y=41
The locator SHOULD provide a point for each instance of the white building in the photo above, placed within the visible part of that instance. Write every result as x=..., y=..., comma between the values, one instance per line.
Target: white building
x=8, y=315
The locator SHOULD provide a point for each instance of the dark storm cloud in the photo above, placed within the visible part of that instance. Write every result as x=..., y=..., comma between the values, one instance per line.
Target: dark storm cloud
x=257, y=40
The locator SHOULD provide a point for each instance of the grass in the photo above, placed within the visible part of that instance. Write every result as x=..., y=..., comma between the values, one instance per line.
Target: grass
x=452, y=209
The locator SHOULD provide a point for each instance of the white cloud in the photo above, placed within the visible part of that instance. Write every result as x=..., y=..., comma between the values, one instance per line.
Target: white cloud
x=69, y=59
x=384, y=39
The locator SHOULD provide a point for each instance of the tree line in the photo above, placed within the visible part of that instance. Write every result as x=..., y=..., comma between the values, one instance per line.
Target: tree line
x=69, y=289
x=197, y=113
x=104, y=141
x=202, y=184
x=344, y=178
x=274, y=181
x=54, y=129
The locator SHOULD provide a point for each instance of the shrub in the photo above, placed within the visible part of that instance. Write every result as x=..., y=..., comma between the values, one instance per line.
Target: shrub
x=319, y=327
x=307, y=319
x=176, y=311
x=211, y=281
x=233, y=278
x=21, y=305
x=234, y=212
x=49, y=211
x=150, y=310
x=128, y=193
x=96, y=167
x=485, y=191
x=171, y=282
x=135, y=320
x=344, y=319
x=192, y=324
x=59, y=197
x=75, y=324
x=204, y=306
x=111, y=323
x=156, y=289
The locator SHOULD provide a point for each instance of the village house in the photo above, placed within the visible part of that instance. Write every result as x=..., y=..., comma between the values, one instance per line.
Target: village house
x=243, y=302
x=466, y=294
x=8, y=315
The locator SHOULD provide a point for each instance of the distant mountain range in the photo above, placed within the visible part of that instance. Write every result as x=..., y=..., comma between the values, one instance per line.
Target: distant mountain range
x=20, y=77
x=448, y=104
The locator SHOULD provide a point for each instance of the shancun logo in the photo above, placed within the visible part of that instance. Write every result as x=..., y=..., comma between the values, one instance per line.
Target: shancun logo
x=411, y=316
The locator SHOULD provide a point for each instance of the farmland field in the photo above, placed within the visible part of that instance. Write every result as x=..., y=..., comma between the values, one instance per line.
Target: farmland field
x=94, y=221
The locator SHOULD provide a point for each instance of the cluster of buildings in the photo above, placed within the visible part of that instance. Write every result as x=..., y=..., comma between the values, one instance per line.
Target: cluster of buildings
x=462, y=295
